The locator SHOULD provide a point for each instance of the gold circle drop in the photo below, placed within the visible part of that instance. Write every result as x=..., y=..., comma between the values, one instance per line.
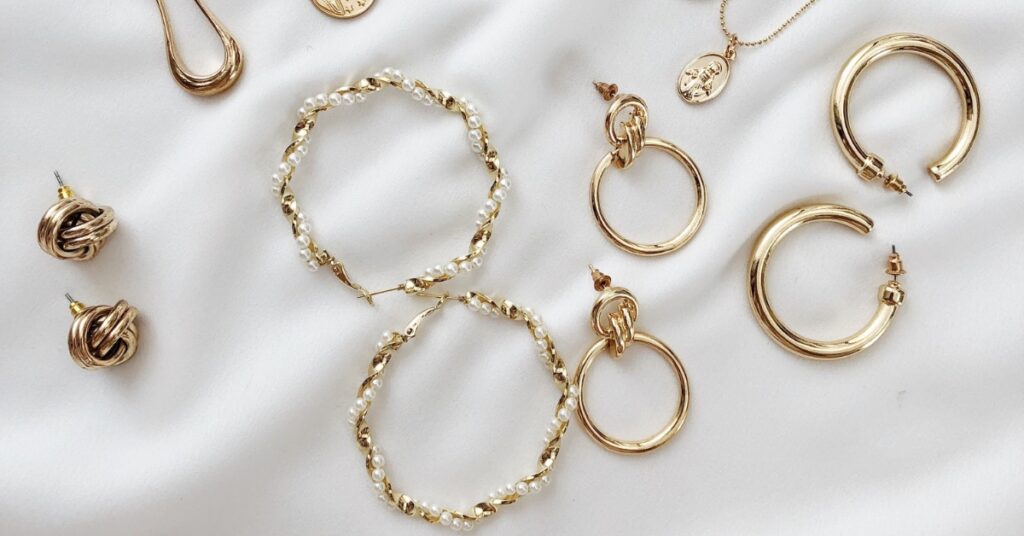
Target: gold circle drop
x=343, y=9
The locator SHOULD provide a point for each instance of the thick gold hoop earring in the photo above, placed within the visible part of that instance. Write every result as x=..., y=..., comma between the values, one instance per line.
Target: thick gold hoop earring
x=627, y=143
x=617, y=333
x=74, y=228
x=870, y=166
x=213, y=83
x=102, y=336
x=891, y=294
x=509, y=494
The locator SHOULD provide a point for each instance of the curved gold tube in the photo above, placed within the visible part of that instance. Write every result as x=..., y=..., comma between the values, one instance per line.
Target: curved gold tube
x=213, y=83
x=891, y=295
x=868, y=165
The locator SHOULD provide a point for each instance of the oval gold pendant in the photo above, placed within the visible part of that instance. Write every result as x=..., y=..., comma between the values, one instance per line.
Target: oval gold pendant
x=703, y=78
x=343, y=9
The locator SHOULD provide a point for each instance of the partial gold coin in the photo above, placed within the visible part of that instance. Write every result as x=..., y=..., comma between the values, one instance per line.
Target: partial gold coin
x=343, y=9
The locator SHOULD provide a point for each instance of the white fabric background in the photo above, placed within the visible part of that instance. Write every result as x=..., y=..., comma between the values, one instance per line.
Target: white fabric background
x=231, y=418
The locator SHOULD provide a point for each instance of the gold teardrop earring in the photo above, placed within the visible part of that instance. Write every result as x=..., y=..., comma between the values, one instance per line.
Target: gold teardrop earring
x=102, y=336
x=74, y=228
x=213, y=83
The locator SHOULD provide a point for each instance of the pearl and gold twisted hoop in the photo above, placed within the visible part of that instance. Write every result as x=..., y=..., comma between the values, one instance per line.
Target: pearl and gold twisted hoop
x=621, y=308
x=314, y=255
x=102, y=336
x=530, y=484
x=870, y=166
x=73, y=228
x=627, y=143
x=890, y=295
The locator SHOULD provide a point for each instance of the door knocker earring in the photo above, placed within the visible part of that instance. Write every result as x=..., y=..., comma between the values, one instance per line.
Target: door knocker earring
x=74, y=228
x=628, y=141
x=870, y=166
x=620, y=308
x=479, y=141
x=213, y=83
x=505, y=495
x=890, y=297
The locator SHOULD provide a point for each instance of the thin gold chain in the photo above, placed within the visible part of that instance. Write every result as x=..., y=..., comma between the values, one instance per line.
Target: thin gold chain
x=732, y=36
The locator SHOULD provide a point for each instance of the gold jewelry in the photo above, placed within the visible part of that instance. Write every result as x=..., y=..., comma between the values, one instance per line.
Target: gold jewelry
x=705, y=77
x=210, y=84
x=891, y=294
x=102, y=336
x=870, y=166
x=370, y=388
x=73, y=228
x=617, y=334
x=343, y=9
x=314, y=255
x=627, y=144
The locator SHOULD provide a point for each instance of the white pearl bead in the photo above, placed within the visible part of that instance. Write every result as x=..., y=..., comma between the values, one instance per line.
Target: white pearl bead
x=388, y=71
x=306, y=254
x=457, y=524
x=360, y=404
x=510, y=489
x=303, y=240
x=435, y=510
x=522, y=488
x=477, y=147
x=539, y=333
x=473, y=304
x=408, y=85
x=294, y=159
x=465, y=266
x=304, y=227
x=377, y=383
x=505, y=183
x=574, y=390
x=546, y=479
x=302, y=112
x=477, y=262
x=321, y=100
x=377, y=461
x=283, y=168
x=446, y=518
x=471, y=109
x=302, y=149
x=491, y=205
x=541, y=344
x=485, y=308
x=475, y=135
x=500, y=194
x=534, y=486
x=564, y=415
x=369, y=393
x=312, y=266
x=360, y=97
x=309, y=103
x=433, y=271
x=571, y=403
x=467, y=526
x=451, y=269
x=301, y=216
x=277, y=179
x=428, y=100
x=397, y=74
x=377, y=475
x=418, y=93
x=474, y=121
x=544, y=356
x=334, y=99
x=347, y=98
x=353, y=412
x=379, y=486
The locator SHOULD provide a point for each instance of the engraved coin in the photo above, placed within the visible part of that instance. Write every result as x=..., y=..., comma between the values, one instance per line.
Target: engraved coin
x=343, y=9
x=703, y=78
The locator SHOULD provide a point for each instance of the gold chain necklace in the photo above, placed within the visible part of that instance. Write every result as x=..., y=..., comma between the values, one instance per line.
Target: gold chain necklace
x=705, y=77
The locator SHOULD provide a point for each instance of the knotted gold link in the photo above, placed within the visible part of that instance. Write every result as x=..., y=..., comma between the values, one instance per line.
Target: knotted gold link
x=103, y=336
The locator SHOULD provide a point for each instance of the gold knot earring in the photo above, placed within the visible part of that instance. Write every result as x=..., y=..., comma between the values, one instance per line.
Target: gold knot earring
x=620, y=308
x=73, y=228
x=628, y=141
x=890, y=297
x=102, y=336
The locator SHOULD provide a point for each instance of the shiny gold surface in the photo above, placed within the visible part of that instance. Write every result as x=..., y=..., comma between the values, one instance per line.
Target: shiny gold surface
x=870, y=166
x=343, y=9
x=628, y=141
x=213, y=83
x=102, y=336
x=618, y=333
x=891, y=294
x=73, y=228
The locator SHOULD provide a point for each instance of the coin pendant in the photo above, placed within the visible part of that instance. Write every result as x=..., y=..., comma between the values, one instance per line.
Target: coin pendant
x=343, y=9
x=703, y=78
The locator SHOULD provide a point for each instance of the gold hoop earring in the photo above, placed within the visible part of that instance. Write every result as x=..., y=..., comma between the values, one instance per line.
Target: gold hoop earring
x=891, y=294
x=479, y=141
x=102, y=336
x=370, y=389
x=628, y=142
x=870, y=166
x=618, y=333
x=210, y=84
x=73, y=228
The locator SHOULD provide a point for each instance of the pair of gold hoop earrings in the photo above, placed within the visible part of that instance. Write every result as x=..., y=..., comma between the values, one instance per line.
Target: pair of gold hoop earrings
x=613, y=316
x=75, y=229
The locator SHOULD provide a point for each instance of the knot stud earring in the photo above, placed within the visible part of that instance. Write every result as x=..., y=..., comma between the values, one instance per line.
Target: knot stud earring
x=74, y=228
x=102, y=336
